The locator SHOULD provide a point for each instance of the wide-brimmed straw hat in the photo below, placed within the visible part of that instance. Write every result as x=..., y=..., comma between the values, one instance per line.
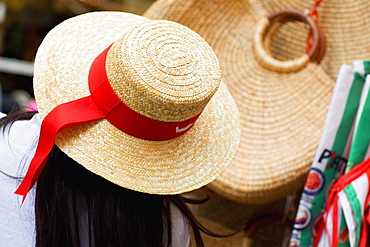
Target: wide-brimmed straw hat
x=169, y=123
x=345, y=24
x=282, y=113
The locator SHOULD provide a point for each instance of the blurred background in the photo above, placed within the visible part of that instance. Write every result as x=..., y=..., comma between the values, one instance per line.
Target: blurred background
x=23, y=25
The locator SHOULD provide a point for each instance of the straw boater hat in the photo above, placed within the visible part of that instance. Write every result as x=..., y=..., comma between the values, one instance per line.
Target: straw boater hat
x=282, y=113
x=136, y=101
x=345, y=24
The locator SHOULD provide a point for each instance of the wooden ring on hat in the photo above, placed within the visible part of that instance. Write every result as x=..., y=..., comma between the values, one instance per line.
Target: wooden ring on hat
x=282, y=16
x=320, y=51
x=322, y=46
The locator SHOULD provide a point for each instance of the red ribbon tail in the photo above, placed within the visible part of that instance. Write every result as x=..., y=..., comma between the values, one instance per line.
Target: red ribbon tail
x=67, y=115
x=336, y=228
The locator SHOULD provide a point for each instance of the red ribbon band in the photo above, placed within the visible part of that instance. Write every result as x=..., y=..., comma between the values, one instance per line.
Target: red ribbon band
x=102, y=103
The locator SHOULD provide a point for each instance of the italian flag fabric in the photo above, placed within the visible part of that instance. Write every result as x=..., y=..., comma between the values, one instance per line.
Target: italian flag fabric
x=346, y=217
x=331, y=155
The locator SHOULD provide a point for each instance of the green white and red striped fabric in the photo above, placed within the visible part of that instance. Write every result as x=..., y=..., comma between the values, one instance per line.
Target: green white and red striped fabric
x=349, y=195
x=335, y=148
x=346, y=218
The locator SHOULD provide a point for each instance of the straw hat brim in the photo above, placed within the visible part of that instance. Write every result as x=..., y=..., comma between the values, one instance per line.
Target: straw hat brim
x=282, y=114
x=157, y=167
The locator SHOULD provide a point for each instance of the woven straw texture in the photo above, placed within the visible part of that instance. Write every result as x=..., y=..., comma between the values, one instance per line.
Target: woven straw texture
x=282, y=114
x=167, y=61
x=182, y=73
x=345, y=24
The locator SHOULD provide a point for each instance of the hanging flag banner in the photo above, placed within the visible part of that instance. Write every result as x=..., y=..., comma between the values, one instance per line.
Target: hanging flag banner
x=348, y=199
x=331, y=155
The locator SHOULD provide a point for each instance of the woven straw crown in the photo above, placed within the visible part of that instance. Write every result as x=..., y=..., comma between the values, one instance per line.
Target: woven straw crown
x=159, y=69
x=163, y=74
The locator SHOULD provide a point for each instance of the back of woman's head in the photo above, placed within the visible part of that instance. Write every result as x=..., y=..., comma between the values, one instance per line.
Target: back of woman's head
x=75, y=207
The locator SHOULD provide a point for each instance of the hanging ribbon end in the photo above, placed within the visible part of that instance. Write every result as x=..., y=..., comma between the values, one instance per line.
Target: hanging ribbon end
x=17, y=192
